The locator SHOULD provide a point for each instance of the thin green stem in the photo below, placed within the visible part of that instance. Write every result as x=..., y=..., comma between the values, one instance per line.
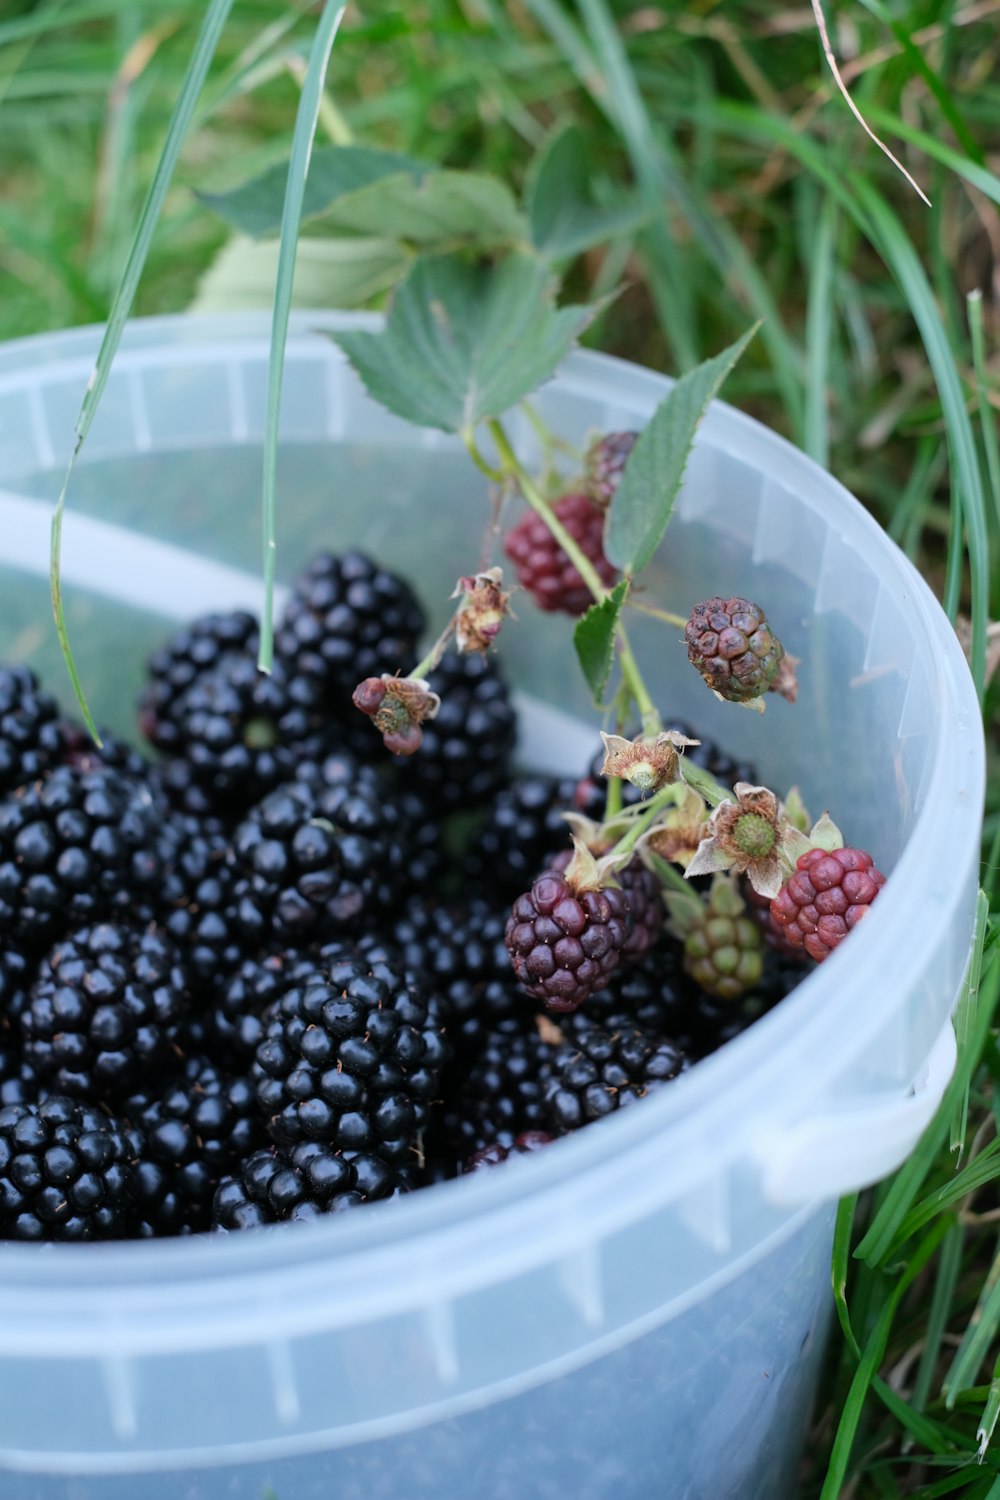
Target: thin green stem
x=668, y=875
x=427, y=663
x=666, y=615
x=651, y=721
x=613, y=800
x=705, y=784
x=645, y=820
x=495, y=476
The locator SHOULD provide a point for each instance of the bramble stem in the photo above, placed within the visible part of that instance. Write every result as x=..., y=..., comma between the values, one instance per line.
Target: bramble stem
x=613, y=799
x=666, y=615
x=667, y=875
x=646, y=819
x=427, y=663
x=705, y=784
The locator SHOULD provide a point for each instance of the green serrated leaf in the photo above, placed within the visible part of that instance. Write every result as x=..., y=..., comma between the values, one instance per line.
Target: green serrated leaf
x=255, y=207
x=564, y=217
x=594, y=639
x=434, y=211
x=465, y=342
x=645, y=498
x=328, y=273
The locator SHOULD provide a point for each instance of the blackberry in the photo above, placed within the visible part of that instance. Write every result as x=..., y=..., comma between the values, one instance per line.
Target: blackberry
x=605, y=462
x=826, y=897
x=15, y=977
x=315, y=859
x=733, y=647
x=598, y=1069
x=523, y=827
x=75, y=847
x=197, y=900
x=501, y=1092
x=194, y=650
x=566, y=943
x=545, y=570
x=66, y=1172
x=347, y=619
x=194, y=1131
x=241, y=733
x=19, y=1083
x=459, y=954
x=235, y=1023
x=100, y=1016
x=351, y=1057
x=464, y=757
x=78, y=750
x=30, y=740
x=644, y=897
x=525, y=1144
x=592, y=790
x=301, y=1185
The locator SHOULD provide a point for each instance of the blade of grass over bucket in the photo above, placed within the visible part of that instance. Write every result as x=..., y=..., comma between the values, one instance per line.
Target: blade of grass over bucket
x=298, y=168
x=204, y=51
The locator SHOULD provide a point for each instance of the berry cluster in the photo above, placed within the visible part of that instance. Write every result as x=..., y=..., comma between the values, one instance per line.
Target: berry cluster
x=278, y=972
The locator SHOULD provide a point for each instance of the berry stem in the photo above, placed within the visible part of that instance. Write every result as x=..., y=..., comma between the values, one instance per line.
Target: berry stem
x=705, y=784
x=427, y=663
x=666, y=615
x=645, y=820
x=511, y=466
x=613, y=799
x=666, y=874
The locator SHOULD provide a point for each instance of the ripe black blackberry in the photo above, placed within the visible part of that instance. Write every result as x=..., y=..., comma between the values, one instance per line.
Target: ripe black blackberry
x=193, y=650
x=235, y=1024
x=526, y=1144
x=19, y=1083
x=523, y=827
x=655, y=995
x=66, y=1172
x=301, y=1185
x=101, y=1014
x=347, y=619
x=592, y=789
x=501, y=1091
x=351, y=1057
x=241, y=732
x=714, y=1022
x=598, y=1069
x=30, y=739
x=316, y=859
x=193, y=1131
x=197, y=900
x=75, y=847
x=79, y=750
x=464, y=757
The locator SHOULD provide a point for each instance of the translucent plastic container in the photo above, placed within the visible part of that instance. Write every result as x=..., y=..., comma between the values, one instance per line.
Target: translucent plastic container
x=639, y=1310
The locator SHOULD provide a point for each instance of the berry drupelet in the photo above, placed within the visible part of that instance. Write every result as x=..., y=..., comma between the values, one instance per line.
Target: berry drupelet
x=545, y=570
x=75, y=847
x=101, y=1015
x=598, y=1069
x=351, y=1057
x=347, y=619
x=197, y=900
x=66, y=1172
x=301, y=1185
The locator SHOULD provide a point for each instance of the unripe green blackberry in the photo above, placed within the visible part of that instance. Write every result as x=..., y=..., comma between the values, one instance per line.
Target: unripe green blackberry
x=731, y=644
x=723, y=947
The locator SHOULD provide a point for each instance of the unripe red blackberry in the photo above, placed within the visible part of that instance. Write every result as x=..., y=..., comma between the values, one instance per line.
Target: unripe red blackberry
x=771, y=931
x=828, y=895
x=563, y=943
x=544, y=569
x=731, y=644
x=605, y=463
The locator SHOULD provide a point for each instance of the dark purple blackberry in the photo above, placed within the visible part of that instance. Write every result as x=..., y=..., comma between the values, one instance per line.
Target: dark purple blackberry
x=30, y=740
x=347, y=619
x=235, y=1023
x=242, y=732
x=66, y=1172
x=643, y=894
x=501, y=1091
x=464, y=757
x=526, y=1144
x=15, y=977
x=301, y=1185
x=315, y=860
x=351, y=1057
x=597, y=1070
x=566, y=943
x=524, y=826
x=197, y=1129
x=78, y=750
x=197, y=900
x=655, y=995
x=102, y=1012
x=75, y=847
x=195, y=649
x=19, y=1082
x=592, y=789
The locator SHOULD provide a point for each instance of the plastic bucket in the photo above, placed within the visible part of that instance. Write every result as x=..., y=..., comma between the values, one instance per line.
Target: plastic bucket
x=639, y=1310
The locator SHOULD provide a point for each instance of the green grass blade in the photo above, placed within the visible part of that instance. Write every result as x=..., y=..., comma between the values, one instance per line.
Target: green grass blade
x=871, y=1358
x=846, y=1209
x=204, y=50
x=302, y=143
x=978, y=1336
x=938, y=1313
x=965, y=1018
x=977, y=176
x=819, y=334
x=987, y=416
x=991, y=1411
